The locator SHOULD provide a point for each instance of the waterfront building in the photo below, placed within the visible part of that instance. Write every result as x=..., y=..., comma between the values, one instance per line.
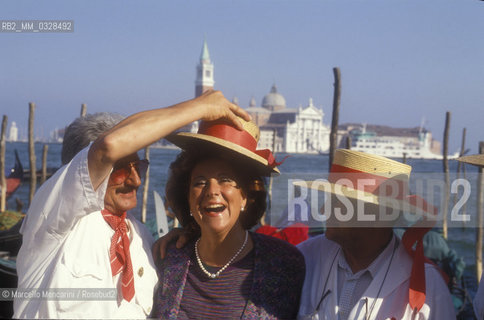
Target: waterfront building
x=283, y=129
x=391, y=142
x=259, y=115
x=57, y=135
x=289, y=130
x=302, y=130
x=13, y=132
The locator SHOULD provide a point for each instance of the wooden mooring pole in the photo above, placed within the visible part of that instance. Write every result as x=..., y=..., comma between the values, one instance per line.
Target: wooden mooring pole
x=348, y=142
x=145, y=187
x=33, y=167
x=480, y=216
x=83, y=110
x=263, y=220
x=445, y=208
x=43, y=177
x=333, y=137
x=461, y=167
x=3, y=180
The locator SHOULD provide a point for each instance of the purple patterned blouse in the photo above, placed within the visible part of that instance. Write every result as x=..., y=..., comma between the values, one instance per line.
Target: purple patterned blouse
x=277, y=279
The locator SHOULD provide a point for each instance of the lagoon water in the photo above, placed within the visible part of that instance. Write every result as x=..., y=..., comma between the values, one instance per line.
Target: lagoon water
x=461, y=237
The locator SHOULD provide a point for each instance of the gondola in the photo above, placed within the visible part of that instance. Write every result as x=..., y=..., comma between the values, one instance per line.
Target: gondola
x=9, y=240
x=8, y=279
x=14, y=177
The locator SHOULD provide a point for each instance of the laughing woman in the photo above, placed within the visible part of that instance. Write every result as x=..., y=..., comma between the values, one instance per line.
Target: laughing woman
x=226, y=272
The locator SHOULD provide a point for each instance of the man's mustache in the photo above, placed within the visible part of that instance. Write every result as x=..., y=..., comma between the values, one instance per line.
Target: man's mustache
x=126, y=189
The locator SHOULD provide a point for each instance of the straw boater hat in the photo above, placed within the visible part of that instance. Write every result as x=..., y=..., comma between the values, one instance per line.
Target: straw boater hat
x=216, y=136
x=386, y=185
x=386, y=182
x=475, y=159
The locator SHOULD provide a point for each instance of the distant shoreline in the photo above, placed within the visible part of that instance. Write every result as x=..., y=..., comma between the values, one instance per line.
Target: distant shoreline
x=154, y=145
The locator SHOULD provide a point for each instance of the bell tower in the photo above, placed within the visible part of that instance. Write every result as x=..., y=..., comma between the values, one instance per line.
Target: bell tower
x=204, y=80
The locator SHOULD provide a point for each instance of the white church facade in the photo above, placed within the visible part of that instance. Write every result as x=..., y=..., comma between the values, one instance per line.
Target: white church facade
x=283, y=129
x=290, y=130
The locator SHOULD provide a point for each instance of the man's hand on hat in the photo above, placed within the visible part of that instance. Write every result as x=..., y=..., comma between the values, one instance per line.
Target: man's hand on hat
x=216, y=106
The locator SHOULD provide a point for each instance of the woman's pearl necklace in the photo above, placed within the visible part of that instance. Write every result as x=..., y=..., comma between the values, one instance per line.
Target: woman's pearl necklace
x=216, y=274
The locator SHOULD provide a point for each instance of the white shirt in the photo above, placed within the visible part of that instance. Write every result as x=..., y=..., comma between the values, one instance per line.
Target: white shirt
x=351, y=286
x=321, y=256
x=66, y=244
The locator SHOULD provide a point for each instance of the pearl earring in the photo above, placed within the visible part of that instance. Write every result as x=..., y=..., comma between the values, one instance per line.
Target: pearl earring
x=191, y=214
x=242, y=208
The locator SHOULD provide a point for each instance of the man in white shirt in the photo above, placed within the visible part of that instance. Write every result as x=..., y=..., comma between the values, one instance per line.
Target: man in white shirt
x=359, y=269
x=77, y=235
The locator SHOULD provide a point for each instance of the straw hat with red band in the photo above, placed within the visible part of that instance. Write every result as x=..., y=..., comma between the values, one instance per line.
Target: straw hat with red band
x=475, y=159
x=372, y=179
x=386, y=184
x=220, y=136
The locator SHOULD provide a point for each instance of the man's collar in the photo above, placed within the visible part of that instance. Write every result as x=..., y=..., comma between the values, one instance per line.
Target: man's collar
x=374, y=267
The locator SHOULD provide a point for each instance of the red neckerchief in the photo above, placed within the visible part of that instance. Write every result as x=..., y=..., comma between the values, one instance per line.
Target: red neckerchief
x=119, y=252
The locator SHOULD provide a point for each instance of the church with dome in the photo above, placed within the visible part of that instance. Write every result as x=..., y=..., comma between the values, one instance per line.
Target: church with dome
x=287, y=130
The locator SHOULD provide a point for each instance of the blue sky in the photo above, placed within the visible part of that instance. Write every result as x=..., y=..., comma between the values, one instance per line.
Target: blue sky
x=401, y=61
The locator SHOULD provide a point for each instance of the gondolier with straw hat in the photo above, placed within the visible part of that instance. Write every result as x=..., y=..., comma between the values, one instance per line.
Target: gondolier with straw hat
x=477, y=160
x=359, y=269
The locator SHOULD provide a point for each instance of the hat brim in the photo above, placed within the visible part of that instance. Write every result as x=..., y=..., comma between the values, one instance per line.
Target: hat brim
x=367, y=197
x=476, y=159
x=188, y=141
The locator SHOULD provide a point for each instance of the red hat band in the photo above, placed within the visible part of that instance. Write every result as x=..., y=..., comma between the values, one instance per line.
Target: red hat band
x=379, y=186
x=238, y=137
